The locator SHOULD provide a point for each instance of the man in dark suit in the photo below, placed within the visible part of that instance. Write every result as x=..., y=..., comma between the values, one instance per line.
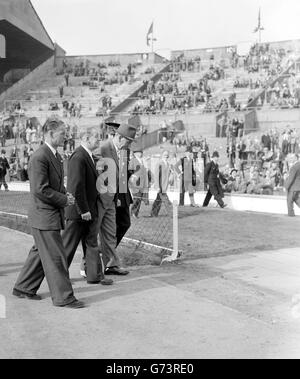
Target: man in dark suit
x=115, y=197
x=4, y=166
x=293, y=186
x=212, y=178
x=46, y=218
x=82, y=217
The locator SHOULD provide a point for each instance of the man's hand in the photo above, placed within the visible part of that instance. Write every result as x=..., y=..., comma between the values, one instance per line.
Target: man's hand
x=71, y=199
x=100, y=167
x=87, y=216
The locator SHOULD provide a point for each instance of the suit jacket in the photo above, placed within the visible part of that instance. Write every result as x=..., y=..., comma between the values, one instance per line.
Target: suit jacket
x=139, y=180
x=211, y=173
x=4, y=166
x=82, y=178
x=48, y=194
x=163, y=177
x=293, y=181
x=188, y=171
x=121, y=190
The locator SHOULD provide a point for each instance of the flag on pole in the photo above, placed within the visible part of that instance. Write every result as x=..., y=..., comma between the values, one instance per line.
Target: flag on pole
x=259, y=27
x=150, y=32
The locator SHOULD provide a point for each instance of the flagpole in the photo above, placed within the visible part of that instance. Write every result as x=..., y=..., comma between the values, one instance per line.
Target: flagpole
x=153, y=37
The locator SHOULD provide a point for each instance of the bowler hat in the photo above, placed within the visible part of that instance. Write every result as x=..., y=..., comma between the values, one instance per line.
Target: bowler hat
x=215, y=155
x=127, y=131
x=114, y=125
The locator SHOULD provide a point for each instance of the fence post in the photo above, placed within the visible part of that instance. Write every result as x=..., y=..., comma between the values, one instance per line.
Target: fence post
x=175, y=230
x=175, y=255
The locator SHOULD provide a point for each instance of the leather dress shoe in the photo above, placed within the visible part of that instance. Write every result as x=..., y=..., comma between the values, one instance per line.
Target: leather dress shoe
x=106, y=282
x=83, y=273
x=75, y=305
x=22, y=295
x=103, y=281
x=116, y=271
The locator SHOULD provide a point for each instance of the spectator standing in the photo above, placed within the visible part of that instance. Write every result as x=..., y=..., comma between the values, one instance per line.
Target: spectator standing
x=67, y=77
x=61, y=91
x=2, y=136
x=4, y=166
x=163, y=178
x=292, y=186
x=139, y=182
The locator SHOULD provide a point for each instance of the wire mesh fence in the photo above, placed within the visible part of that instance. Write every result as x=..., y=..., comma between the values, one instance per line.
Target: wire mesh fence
x=153, y=235
x=154, y=228
x=15, y=203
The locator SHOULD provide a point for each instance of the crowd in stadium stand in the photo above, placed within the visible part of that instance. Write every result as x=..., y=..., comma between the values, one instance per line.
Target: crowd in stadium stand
x=249, y=83
x=183, y=64
x=262, y=56
x=108, y=74
x=283, y=95
x=260, y=164
x=168, y=94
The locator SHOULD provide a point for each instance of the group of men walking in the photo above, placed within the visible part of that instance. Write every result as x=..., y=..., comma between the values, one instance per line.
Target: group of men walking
x=96, y=203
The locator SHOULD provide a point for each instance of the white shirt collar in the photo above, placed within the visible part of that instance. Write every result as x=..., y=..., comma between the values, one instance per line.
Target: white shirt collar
x=115, y=146
x=51, y=148
x=88, y=151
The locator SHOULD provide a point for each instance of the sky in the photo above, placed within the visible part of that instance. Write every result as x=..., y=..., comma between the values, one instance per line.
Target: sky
x=120, y=26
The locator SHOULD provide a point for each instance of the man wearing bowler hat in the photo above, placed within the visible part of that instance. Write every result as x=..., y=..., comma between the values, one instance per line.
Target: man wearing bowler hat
x=212, y=178
x=115, y=197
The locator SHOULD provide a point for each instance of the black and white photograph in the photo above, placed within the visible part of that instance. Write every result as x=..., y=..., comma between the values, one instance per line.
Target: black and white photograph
x=149, y=182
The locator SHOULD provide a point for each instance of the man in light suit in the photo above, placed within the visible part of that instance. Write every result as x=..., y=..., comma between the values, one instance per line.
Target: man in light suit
x=46, y=218
x=186, y=169
x=292, y=186
x=115, y=197
x=139, y=182
x=82, y=217
x=164, y=177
